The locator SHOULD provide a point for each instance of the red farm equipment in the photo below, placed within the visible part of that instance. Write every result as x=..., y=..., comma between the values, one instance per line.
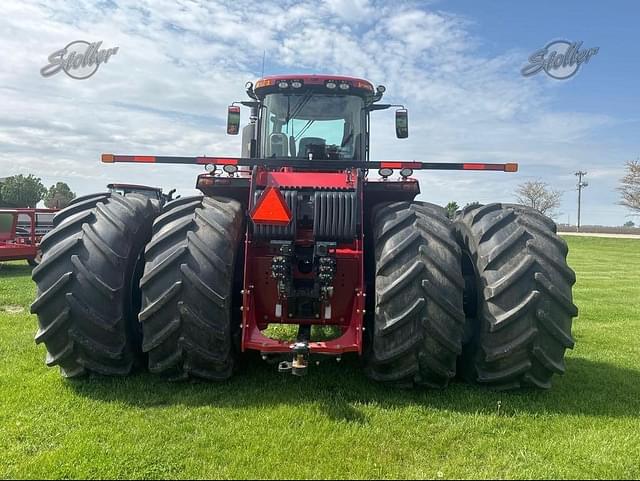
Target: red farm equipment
x=21, y=231
x=304, y=230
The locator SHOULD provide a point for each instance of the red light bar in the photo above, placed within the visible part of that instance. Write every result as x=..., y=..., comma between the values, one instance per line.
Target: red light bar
x=150, y=159
x=477, y=166
x=400, y=165
x=498, y=167
x=144, y=159
x=271, y=208
x=312, y=164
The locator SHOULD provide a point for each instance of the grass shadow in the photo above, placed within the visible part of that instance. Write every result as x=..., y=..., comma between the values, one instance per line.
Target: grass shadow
x=588, y=388
x=15, y=269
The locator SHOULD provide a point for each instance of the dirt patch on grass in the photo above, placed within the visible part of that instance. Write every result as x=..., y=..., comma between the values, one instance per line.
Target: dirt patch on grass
x=12, y=309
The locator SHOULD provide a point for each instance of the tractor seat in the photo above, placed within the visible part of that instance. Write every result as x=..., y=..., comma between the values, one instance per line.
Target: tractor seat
x=315, y=145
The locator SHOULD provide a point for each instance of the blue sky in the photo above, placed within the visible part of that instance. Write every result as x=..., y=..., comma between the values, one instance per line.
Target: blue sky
x=456, y=65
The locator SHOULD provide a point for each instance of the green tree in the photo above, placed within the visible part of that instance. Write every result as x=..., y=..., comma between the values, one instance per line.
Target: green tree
x=21, y=191
x=451, y=208
x=475, y=203
x=59, y=196
x=629, y=223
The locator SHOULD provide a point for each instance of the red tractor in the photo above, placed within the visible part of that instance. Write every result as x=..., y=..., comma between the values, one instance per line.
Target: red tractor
x=303, y=229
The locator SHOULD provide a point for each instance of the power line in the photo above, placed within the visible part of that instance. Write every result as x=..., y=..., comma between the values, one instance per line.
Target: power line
x=581, y=185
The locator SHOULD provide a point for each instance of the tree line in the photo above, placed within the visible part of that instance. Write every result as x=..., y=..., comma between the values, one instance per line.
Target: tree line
x=26, y=191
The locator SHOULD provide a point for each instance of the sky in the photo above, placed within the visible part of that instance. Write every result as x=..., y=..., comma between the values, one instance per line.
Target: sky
x=455, y=65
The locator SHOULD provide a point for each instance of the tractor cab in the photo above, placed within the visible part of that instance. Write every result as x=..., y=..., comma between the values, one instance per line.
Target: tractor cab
x=310, y=117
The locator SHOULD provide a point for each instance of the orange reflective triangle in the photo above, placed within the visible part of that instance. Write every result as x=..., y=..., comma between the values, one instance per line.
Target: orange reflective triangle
x=271, y=208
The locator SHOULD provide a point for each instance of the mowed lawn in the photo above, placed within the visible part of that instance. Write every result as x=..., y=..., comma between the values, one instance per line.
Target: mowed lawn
x=334, y=422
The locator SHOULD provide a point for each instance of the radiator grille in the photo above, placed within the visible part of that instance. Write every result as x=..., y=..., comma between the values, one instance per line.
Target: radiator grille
x=335, y=215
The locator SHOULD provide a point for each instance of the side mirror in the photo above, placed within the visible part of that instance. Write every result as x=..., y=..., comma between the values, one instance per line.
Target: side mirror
x=233, y=120
x=402, y=123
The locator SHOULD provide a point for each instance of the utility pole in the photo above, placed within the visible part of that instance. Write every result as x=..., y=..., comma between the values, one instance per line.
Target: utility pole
x=580, y=186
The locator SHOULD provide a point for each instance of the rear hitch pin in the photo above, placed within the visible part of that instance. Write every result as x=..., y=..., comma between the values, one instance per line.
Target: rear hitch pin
x=300, y=359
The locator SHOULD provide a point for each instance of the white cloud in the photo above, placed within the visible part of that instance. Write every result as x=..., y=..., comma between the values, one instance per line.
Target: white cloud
x=180, y=64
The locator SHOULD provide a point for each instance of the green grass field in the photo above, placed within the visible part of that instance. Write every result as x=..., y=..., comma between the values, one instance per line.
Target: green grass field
x=334, y=422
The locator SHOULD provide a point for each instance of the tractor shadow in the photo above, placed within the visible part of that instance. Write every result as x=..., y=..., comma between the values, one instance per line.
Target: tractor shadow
x=341, y=391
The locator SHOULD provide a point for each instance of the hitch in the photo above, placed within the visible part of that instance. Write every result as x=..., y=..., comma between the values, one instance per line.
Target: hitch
x=298, y=366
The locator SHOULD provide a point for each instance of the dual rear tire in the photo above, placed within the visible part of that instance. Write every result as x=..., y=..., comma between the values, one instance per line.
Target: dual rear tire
x=511, y=326
x=487, y=296
x=96, y=276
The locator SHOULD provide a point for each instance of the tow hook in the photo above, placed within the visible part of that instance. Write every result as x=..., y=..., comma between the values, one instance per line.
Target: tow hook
x=298, y=366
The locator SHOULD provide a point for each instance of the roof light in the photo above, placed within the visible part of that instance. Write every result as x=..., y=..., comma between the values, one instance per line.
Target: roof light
x=344, y=86
x=381, y=89
x=363, y=85
x=330, y=84
x=264, y=83
x=385, y=172
x=404, y=173
x=296, y=84
x=211, y=168
x=283, y=84
x=230, y=169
